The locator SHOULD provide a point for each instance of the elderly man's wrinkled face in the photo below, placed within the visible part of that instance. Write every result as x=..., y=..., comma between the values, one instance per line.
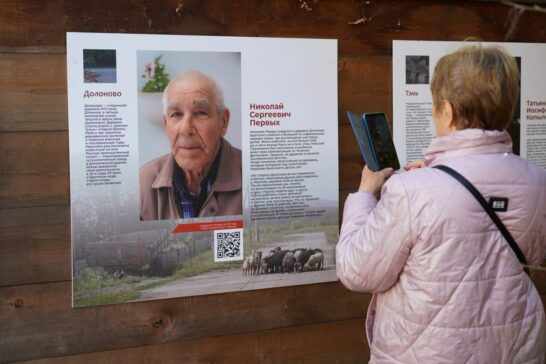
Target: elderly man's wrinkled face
x=194, y=126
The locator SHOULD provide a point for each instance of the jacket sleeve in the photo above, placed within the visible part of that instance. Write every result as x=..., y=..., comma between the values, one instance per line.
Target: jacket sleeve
x=375, y=239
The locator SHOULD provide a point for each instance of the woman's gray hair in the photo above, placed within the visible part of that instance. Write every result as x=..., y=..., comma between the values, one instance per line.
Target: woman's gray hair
x=482, y=85
x=196, y=75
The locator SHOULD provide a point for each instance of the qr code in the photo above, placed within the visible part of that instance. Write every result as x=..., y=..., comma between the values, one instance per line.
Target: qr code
x=228, y=245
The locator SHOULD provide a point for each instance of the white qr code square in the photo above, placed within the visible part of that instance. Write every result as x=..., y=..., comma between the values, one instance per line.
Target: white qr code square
x=228, y=245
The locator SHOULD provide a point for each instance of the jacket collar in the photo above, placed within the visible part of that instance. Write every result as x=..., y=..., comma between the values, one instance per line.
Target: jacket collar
x=467, y=141
x=228, y=178
x=165, y=176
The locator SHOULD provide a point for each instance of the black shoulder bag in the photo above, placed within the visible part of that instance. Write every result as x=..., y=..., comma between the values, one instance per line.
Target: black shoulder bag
x=470, y=187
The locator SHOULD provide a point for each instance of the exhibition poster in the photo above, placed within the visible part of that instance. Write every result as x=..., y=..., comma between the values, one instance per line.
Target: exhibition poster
x=413, y=66
x=200, y=165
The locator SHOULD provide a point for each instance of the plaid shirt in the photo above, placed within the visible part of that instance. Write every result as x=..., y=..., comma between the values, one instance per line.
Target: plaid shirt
x=189, y=204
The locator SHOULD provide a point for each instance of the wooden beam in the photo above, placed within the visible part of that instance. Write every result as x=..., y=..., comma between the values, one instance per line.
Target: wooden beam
x=38, y=321
x=35, y=245
x=33, y=169
x=335, y=342
x=27, y=26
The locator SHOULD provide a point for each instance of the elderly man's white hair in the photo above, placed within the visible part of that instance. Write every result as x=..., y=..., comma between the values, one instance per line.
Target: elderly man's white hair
x=196, y=75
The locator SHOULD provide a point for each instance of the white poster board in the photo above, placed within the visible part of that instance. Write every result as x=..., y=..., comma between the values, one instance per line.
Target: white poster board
x=282, y=101
x=413, y=67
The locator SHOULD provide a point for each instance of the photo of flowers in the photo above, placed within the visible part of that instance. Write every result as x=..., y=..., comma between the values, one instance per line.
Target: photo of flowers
x=157, y=78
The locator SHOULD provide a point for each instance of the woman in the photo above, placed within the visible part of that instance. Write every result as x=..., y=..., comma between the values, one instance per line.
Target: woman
x=448, y=288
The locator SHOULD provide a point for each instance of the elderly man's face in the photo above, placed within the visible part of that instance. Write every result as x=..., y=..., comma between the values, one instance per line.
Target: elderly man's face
x=194, y=126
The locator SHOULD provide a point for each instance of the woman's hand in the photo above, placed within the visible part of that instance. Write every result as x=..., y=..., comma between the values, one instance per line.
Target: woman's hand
x=373, y=181
x=416, y=164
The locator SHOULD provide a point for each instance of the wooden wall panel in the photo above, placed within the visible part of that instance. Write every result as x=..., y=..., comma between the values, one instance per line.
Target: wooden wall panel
x=315, y=323
x=28, y=26
x=33, y=92
x=33, y=169
x=34, y=245
x=82, y=330
x=365, y=85
x=337, y=342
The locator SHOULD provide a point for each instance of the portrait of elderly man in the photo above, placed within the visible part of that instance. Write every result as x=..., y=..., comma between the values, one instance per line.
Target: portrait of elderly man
x=201, y=176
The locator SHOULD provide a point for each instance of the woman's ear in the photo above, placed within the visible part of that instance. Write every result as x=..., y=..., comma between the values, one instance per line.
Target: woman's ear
x=446, y=112
x=448, y=118
x=443, y=118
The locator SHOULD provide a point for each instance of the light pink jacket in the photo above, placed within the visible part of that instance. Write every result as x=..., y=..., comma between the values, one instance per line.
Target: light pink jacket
x=448, y=288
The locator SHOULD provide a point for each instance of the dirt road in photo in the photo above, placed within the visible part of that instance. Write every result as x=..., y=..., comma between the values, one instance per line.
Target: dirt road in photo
x=233, y=279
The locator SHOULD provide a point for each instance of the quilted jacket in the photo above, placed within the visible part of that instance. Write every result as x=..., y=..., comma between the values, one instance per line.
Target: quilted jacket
x=448, y=288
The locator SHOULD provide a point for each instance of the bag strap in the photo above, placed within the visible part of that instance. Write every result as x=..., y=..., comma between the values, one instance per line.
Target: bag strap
x=504, y=231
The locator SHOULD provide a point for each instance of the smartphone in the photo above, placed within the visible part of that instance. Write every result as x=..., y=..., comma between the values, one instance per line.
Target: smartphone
x=363, y=140
x=381, y=141
x=375, y=140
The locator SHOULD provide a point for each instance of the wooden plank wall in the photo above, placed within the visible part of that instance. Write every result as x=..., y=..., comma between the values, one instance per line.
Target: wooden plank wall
x=316, y=323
